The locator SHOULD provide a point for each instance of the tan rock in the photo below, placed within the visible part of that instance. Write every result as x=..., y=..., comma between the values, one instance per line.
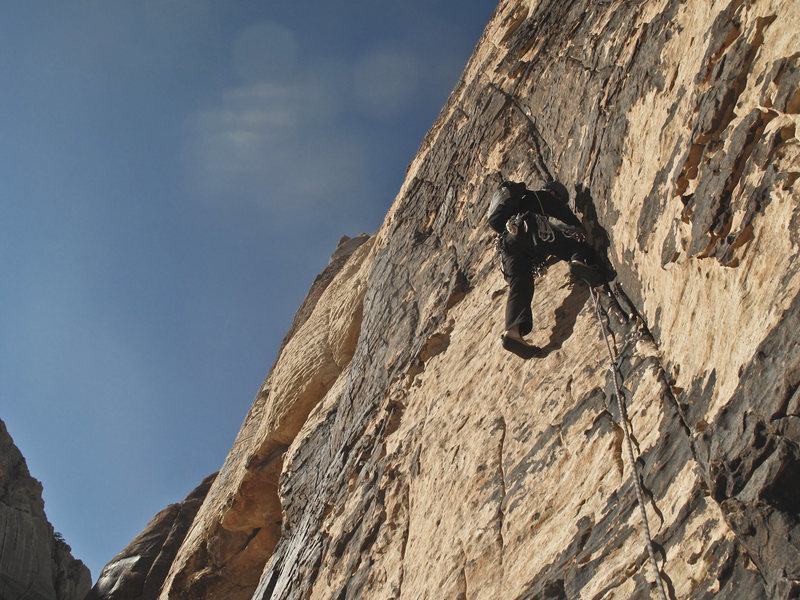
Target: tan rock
x=463, y=472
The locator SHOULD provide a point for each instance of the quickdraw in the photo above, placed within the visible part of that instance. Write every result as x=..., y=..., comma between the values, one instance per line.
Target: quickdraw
x=544, y=229
x=498, y=251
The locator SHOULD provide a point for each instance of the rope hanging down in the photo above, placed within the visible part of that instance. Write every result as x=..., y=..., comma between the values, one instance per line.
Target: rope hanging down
x=634, y=473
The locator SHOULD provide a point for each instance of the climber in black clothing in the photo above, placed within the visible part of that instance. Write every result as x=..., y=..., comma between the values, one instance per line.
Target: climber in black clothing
x=527, y=239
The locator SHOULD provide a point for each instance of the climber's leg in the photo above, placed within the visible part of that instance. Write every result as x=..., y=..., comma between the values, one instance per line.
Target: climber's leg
x=584, y=263
x=519, y=318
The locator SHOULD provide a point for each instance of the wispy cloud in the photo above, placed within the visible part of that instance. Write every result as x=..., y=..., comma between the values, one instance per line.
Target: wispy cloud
x=273, y=141
x=265, y=51
x=386, y=81
x=299, y=130
x=262, y=144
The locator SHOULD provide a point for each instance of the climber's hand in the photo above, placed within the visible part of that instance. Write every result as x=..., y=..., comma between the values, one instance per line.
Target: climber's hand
x=577, y=233
x=511, y=226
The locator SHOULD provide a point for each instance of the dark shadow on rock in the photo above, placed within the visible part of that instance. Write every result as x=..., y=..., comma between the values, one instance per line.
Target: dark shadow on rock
x=596, y=235
x=597, y=238
x=566, y=316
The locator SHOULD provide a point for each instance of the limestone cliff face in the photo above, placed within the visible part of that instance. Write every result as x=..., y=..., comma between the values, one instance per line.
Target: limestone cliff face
x=396, y=451
x=35, y=563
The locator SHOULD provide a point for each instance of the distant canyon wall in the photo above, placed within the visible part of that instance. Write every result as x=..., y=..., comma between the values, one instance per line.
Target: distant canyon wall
x=35, y=562
x=397, y=451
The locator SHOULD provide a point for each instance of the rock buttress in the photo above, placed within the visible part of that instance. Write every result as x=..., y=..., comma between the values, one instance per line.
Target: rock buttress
x=35, y=563
x=141, y=569
x=240, y=521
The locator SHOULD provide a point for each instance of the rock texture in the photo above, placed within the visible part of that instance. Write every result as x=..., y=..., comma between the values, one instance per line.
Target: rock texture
x=35, y=562
x=140, y=569
x=396, y=451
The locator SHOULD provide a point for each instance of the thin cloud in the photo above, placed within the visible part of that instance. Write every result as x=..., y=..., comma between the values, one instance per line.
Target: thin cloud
x=265, y=51
x=230, y=144
x=299, y=130
x=262, y=145
x=386, y=82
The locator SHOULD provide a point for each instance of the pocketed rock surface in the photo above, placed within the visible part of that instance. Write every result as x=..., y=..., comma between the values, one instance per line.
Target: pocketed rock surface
x=395, y=450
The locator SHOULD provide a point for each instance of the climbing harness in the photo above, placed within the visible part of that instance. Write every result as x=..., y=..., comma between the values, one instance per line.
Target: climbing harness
x=539, y=263
x=623, y=418
x=540, y=268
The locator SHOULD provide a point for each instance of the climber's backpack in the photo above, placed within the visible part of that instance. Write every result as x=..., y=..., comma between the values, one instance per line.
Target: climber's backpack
x=505, y=203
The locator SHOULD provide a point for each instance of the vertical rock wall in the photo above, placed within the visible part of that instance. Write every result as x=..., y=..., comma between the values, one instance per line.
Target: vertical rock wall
x=35, y=563
x=458, y=471
x=396, y=451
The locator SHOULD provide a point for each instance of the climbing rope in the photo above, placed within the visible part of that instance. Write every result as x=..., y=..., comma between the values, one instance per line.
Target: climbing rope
x=623, y=418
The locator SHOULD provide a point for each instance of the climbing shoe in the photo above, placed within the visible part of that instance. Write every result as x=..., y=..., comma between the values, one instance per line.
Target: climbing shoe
x=520, y=348
x=591, y=274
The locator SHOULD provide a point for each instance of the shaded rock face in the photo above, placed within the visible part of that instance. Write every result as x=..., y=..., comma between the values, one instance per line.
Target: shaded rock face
x=140, y=569
x=396, y=451
x=35, y=562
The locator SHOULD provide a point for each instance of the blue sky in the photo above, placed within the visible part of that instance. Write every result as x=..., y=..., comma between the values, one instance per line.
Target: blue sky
x=173, y=175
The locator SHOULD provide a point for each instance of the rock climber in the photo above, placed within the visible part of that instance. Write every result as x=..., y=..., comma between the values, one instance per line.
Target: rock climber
x=526, y=239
